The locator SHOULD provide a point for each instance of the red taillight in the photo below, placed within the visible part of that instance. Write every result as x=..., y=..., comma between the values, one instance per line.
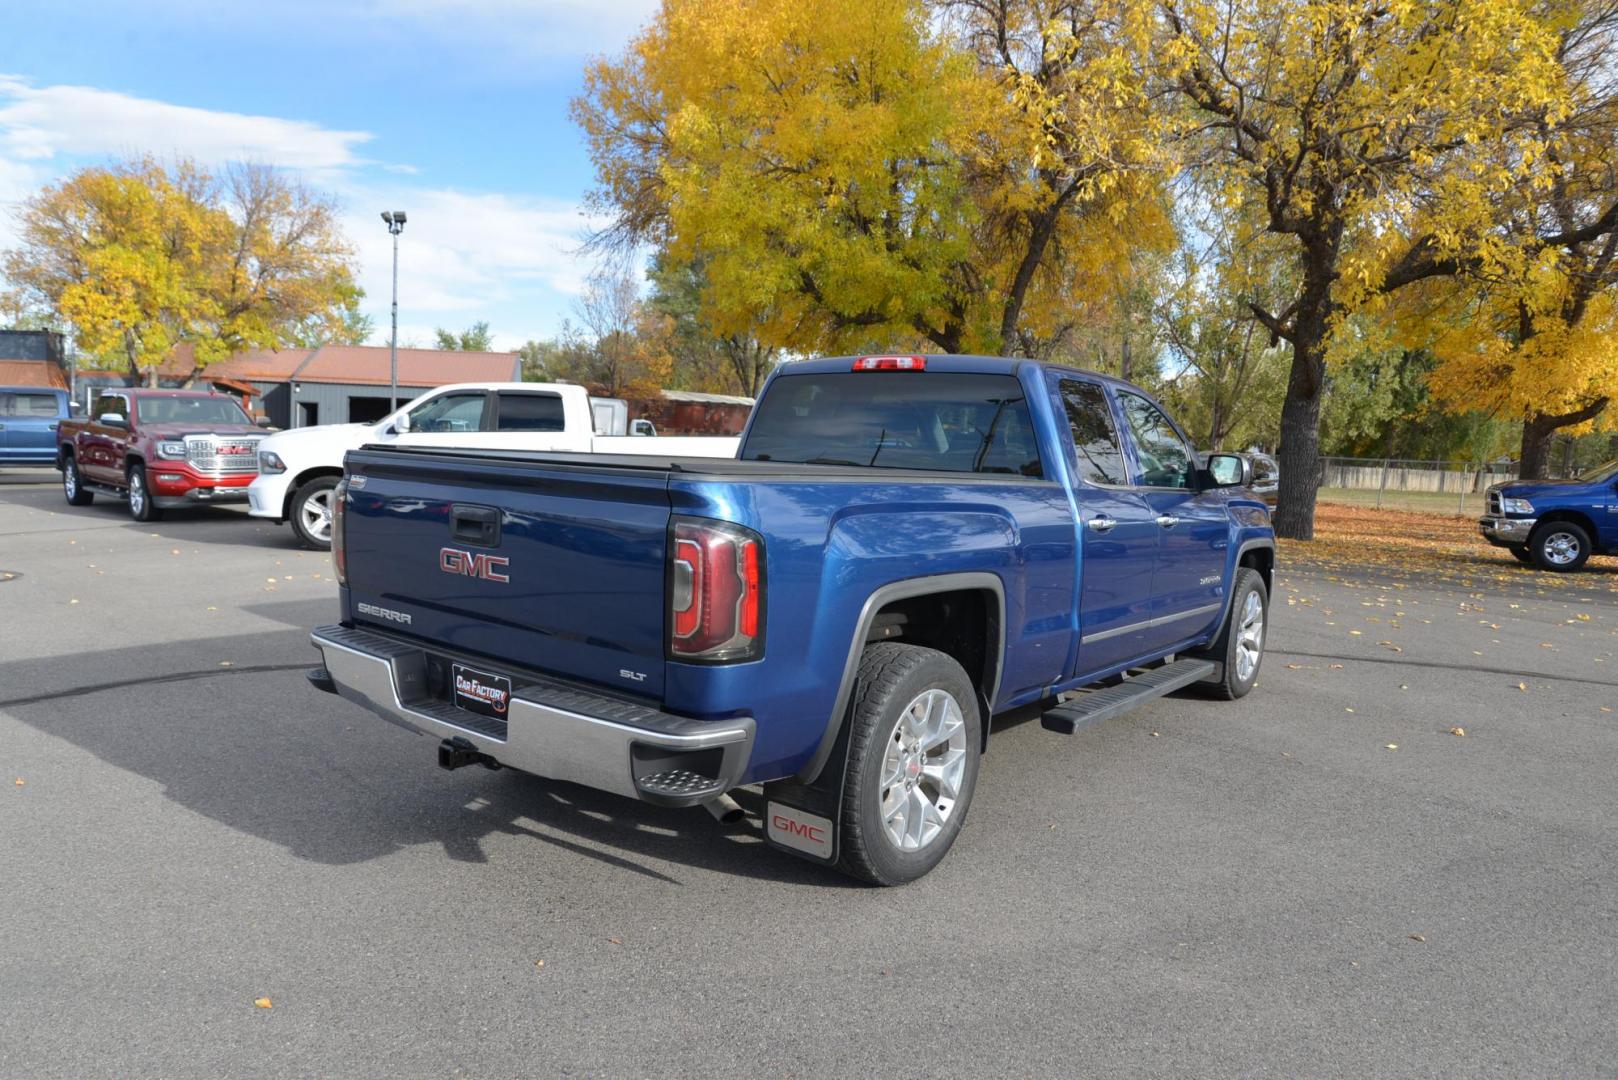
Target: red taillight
x=716, y=592
x=891, y=363
x=339, y=541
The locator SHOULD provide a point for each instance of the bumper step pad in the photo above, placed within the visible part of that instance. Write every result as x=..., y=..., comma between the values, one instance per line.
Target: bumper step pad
x=1103, y=703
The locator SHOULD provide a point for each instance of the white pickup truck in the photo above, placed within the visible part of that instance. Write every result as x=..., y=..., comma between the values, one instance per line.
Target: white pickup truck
x=299, y=468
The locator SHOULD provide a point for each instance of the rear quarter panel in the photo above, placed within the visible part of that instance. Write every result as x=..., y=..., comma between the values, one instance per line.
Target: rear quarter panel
x=830, y=545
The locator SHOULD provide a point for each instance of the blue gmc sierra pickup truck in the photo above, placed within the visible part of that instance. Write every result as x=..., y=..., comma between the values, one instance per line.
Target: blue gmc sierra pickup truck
x=905, y=547
x=1555, y=524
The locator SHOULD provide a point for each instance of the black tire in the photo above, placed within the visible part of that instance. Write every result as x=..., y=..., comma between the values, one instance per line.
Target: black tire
x=320, y=485
x=1226, y=648
x=1559, y=546
x=141, y=507
x=1522, y=555
x=73, y=483
x=892, y=677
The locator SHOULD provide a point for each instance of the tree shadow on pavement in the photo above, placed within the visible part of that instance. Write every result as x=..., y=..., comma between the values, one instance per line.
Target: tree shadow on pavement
x=256, y=749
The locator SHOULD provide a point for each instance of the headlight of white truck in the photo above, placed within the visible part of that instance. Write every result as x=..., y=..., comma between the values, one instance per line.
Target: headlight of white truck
x=270, y=462
x=1516, y=506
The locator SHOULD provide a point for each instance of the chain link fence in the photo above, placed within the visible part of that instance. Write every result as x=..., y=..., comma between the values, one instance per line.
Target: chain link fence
x=1433, y=487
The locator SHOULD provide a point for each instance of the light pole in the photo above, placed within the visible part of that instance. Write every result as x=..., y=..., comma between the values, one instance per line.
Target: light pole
x=396, y=222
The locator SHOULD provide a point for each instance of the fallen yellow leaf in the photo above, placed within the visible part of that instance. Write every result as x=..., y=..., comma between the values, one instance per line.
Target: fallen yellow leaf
x=1522, y=686
x=1458, y=731
x=1391, y=746
x=263, y=1002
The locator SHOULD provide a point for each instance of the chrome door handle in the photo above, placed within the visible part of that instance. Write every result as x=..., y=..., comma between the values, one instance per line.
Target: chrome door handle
x=1100, y=523
x=1168, y=521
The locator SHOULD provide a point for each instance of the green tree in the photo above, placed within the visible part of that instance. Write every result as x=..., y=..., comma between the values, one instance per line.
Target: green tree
x=475, y=338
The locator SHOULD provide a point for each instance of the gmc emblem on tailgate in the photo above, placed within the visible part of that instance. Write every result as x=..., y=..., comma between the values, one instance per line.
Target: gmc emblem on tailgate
x=470, y=564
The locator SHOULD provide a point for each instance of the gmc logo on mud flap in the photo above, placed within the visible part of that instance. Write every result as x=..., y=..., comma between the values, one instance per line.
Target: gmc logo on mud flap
x=469, y=564
x=800, y=830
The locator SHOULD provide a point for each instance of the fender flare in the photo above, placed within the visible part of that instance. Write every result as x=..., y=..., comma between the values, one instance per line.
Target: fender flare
x=905, y=590
x=1242, y=549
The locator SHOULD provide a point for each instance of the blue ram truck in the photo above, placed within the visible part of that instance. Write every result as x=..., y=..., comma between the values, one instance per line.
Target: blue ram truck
x=29, y=416
x=904, y=548
x=1555, y=524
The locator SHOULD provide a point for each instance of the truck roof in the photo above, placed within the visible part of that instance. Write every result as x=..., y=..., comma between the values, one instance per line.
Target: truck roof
x=158, y=391
x=970, y=364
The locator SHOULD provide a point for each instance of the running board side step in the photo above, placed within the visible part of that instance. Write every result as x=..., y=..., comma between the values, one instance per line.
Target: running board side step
x=1106, y=702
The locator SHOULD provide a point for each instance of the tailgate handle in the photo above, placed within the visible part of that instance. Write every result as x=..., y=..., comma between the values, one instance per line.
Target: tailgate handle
x=475, y=524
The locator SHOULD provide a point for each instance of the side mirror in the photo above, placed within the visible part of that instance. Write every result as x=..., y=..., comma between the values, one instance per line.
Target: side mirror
x=1229, y=470
x=112, y=419
x=402, y=424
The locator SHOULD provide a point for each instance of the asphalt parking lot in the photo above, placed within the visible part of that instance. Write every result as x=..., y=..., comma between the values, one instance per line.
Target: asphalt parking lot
x=1318, y=880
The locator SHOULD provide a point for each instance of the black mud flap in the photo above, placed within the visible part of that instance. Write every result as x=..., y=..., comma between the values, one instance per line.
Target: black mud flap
x=805, y=819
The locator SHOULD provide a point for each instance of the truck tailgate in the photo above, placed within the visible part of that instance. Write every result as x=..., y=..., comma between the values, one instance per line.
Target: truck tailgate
x=580, y=550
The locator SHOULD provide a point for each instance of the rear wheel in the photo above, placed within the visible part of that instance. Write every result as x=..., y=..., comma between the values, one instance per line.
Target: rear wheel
x=1560, y=546
x=73, y=483
x=141, y=507
x=913, y=750
x=311, y=513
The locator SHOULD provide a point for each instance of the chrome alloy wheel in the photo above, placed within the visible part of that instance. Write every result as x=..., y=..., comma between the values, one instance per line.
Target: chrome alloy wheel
x=137, y=492
x=70, y=479
x=315, y=513
x=1561, y=548
x=1249, y=637
x=922, y=770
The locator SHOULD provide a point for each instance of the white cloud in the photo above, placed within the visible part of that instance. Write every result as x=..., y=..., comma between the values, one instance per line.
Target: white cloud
x=38, y=123
x=512, y=259
x=466, y=256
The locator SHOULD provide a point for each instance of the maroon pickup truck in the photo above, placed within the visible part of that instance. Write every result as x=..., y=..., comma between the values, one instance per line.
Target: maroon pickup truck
x=159, y=449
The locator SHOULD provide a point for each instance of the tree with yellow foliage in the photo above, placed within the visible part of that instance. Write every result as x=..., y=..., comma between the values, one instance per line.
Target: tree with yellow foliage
x=865, y=170
x=1340, y=118
x=1529, y=328
x=139, y=257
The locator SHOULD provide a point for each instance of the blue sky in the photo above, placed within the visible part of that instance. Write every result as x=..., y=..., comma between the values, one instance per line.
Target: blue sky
x=453, y=111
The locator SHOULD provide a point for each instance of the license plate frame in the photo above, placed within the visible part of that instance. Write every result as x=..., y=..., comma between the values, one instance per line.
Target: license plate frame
x=480, y=692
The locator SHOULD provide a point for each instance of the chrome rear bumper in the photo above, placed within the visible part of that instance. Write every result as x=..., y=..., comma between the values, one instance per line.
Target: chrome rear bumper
x=552, y=729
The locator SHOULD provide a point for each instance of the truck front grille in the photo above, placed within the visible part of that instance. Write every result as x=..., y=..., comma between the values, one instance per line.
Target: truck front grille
x=223, y=455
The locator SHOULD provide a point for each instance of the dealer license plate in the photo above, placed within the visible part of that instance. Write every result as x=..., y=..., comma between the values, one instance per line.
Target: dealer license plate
x=481, y=692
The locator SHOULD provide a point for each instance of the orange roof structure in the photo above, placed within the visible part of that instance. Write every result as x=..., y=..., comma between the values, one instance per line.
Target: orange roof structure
x=366, y=365
x=32, y=373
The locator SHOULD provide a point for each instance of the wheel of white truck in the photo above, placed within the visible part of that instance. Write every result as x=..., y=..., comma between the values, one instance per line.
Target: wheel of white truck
x=1560, y=546
x=141, y=507
x=913, y=750
x=73, y=484
x=311, y=512
x=1240, y=646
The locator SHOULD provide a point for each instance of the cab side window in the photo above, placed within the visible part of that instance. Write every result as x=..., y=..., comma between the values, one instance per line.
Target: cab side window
x=1165, y=460
x=115, y=404
x=449, y=412
x=1095, y=439
x=530, y=412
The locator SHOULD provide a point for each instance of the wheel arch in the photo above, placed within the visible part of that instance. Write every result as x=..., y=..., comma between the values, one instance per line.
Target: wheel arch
x=1572, y=517
x=300, y=480
x=974, y=634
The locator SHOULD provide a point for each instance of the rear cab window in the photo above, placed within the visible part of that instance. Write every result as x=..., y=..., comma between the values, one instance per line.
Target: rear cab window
x=520, y=411
x=1098, y=455
x=939, y=421
x=23, y=403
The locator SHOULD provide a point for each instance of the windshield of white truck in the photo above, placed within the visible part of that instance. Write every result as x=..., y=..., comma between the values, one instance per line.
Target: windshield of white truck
x=943, y=421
